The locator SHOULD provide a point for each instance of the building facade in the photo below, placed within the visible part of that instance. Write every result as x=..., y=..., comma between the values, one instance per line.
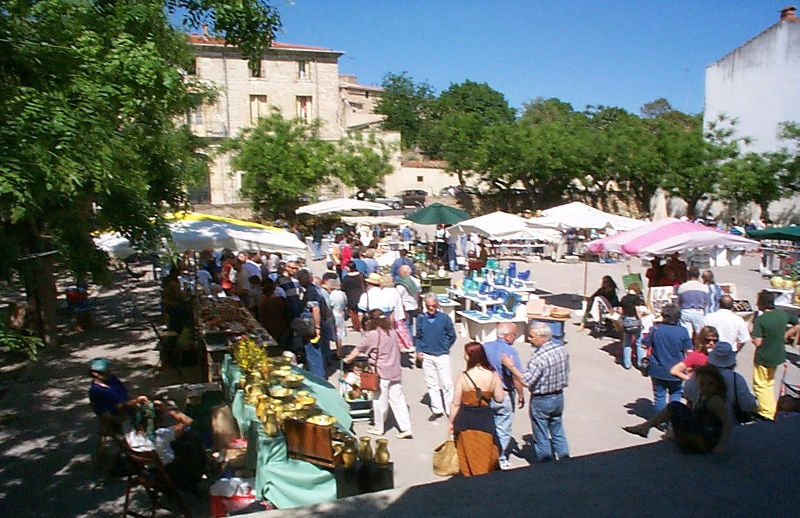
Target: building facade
x=757, y=84
x=300, y=81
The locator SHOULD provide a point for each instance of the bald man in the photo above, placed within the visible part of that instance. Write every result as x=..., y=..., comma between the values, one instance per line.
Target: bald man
x=504, y=412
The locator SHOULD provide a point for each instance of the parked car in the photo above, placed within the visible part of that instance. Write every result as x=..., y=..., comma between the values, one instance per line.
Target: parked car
x=394, y=202
x=414, y=197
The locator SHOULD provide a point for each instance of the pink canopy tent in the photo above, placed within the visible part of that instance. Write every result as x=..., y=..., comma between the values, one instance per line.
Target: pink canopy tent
x=666, y=236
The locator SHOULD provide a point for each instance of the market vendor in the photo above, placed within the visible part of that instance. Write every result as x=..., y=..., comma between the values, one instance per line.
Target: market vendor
x=109, y=397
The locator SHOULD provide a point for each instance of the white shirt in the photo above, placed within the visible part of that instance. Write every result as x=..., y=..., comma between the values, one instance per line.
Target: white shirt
x=409, y=303
x=376, y=298
x=164, y=436
x=730, y=326
x=393, y=295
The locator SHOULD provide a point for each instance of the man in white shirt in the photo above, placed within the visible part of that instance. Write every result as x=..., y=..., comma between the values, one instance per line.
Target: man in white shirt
x=375, y=297
x=251, y=266
x=730, y=326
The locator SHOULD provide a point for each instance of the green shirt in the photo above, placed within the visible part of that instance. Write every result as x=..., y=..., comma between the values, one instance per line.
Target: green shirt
x=771, y=326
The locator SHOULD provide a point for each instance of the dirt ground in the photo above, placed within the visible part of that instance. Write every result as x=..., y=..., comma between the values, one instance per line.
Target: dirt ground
x=48, y=431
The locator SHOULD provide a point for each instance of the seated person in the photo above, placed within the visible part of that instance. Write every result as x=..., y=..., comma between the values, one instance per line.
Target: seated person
x=109, y=397
x=179, y=449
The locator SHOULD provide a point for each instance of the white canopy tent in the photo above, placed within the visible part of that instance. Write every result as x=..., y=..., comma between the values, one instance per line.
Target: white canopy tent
x=392, y=221
x=341, y=205
x=503, y=226
x=580, y=215
x=202, y=231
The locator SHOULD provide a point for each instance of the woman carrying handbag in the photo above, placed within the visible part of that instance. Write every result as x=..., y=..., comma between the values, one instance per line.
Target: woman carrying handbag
x=471, y=417
x=380, y=345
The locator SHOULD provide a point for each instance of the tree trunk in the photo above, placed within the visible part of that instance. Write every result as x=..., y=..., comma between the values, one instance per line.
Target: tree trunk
x=40, y=289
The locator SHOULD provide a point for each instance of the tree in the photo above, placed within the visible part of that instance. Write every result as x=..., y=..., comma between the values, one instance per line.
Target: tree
x=405, y=105
x=90, y=94
x=281, y=159
x=361, y=161
x=655, y=109
x=284, y=159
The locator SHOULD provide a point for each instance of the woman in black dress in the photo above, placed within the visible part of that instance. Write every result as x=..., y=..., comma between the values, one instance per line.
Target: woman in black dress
x=353, y=287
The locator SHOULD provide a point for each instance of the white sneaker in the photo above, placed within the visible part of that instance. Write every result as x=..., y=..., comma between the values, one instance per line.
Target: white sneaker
x=404, y=435
x=505, y=464
x=374, y=431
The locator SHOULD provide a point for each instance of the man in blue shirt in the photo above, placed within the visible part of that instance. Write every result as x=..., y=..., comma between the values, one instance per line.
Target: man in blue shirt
x=433, y=340
x=400, y=261
x=504, y=412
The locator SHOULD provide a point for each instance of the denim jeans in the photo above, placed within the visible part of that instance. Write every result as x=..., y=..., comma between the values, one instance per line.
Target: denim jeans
x=503, y=417
x=317, y=250
x=549, y=440
x=315, y=362
x=628, y=339
x=660, y=389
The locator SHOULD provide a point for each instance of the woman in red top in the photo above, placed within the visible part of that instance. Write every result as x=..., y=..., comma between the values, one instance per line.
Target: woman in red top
x=705, y=341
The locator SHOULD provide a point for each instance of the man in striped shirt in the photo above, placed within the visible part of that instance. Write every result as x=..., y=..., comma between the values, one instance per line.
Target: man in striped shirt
x=546, y=375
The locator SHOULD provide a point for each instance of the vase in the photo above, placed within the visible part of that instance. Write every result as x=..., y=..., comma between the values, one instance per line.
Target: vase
x=270, y=423
x=364, y=449
x=382, y=452
x=349, y=453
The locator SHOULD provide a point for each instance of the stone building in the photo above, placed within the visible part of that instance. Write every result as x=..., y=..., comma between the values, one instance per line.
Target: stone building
x=299, y=80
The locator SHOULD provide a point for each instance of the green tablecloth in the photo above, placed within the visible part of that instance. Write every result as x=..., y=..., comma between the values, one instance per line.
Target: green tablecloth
x=283, y=481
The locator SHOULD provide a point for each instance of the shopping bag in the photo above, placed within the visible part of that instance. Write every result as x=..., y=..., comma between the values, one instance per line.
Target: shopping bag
x=370, y=381
x=445, y=459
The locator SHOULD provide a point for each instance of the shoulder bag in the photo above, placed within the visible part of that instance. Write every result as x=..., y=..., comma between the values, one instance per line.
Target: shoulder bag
x=369, y=378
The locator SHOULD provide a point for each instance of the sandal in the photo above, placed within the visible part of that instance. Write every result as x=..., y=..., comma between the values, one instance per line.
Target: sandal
x=637, y=430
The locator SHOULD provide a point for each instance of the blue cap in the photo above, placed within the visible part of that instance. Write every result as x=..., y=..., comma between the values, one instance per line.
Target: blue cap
x=99, y=365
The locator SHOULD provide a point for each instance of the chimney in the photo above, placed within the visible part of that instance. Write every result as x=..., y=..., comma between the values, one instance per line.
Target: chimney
x=788, y=13
x=205, y=29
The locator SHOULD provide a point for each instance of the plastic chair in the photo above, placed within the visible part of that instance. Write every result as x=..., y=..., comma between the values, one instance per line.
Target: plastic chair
x=147, y=470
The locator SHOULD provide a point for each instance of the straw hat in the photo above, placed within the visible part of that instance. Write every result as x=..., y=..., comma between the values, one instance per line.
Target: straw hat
x=374, y=278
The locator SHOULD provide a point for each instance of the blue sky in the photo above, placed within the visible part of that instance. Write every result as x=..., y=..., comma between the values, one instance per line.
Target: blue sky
x=612, y=53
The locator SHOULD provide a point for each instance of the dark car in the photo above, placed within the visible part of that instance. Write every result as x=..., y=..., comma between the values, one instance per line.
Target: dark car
x=414, y=197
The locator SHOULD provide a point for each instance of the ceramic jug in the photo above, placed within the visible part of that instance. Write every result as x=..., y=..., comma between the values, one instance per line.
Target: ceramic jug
x=382, y=452
x=364, y=449
x=349, y=453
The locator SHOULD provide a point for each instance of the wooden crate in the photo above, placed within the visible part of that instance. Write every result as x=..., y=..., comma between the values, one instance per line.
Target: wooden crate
x=310, y=442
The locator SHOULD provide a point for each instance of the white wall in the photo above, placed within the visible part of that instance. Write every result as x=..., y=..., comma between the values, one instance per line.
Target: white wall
x=758, y=83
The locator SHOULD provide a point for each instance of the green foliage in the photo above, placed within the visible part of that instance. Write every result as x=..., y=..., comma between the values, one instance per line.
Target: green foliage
x=91, y=92
x=361, y=161
x=283, y=159
x=16, y=341
x=405, y=105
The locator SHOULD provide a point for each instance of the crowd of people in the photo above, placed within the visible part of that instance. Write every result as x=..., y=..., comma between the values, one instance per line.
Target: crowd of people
x=688, y=352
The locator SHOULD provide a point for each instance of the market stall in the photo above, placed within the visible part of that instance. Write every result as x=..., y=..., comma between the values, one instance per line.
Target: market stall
x=515, y=236
x=196, y=231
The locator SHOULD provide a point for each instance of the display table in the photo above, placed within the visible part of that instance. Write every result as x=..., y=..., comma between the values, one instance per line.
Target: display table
x=449, y=308
x=486, y=330
x=556, y=324
x=284, y=481
x=469, y=301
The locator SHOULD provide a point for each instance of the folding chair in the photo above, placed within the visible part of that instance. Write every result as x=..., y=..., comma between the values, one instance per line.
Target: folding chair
x=147, y=470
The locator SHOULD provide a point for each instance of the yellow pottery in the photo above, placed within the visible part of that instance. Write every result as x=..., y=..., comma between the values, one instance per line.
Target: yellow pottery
x=349, y=452
x=262, y=405
x=364, y=449
x=252, y=392
x=270, y=423
x=382, y=452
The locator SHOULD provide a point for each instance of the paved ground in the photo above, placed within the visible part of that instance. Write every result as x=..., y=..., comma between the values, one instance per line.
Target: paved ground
x=47, y=431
